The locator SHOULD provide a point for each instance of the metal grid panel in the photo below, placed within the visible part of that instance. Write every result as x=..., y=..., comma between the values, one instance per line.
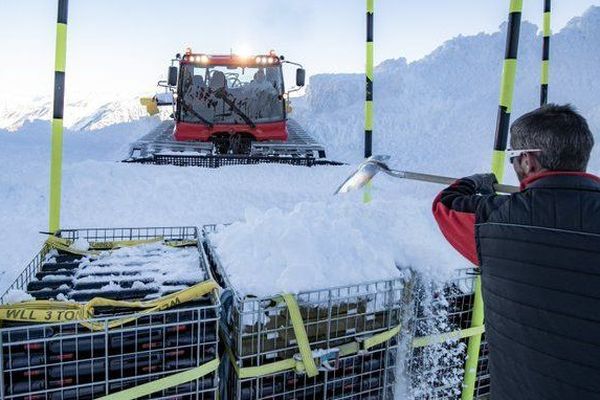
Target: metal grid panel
x=436, y=371
x=113, y=234
x=482, y=385
x=68, y=361
x=367, y=376
x=259, y=331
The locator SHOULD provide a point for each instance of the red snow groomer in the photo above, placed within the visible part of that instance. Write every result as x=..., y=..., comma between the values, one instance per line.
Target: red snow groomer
x=227, y=109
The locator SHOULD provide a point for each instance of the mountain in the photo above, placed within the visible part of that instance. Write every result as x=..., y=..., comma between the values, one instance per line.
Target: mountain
x=82, y=114
x=444, y=106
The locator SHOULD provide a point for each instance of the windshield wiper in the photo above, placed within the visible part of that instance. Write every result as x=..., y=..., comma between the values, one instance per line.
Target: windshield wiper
x=189, y=109
x=222, y=94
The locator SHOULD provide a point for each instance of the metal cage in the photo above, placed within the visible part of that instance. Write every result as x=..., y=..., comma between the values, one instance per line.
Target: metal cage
x=258, y=332
x=436, y=370
x=69, y=361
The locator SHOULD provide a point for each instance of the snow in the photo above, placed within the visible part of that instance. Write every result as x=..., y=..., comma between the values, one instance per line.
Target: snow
x=439, y=113
x=155, y=261
x=80, y=244
x=17, y=296
x=154, y=266
x=436, y=115
x=332, y=243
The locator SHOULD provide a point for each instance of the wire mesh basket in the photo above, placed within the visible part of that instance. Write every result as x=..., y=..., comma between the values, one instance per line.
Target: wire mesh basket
x=259, y=332
x=67, y=360
x=436, y=370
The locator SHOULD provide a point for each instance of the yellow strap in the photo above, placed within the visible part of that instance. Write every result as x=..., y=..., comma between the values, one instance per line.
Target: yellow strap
x=181, y=243
x=380, y=338
x=351, y=349
x=301, y=336
x=165, y=383
x=116, y=244
x=262, y=370
x=43, y=311
x=445, y=337
x=65, y=244
x=299, y=366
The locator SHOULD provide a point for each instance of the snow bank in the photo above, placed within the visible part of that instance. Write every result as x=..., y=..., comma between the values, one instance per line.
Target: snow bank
x=17, y=296
x=327, y=244
x=442, y=109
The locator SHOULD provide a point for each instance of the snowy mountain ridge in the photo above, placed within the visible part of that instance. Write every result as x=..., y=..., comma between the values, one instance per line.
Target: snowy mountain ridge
x=446, y=103
x=82, y=114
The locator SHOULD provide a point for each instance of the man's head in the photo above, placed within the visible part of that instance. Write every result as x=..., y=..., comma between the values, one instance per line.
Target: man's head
x=561, y=135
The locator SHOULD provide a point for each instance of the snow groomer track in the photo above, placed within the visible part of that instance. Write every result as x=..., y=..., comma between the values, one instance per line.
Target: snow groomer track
x=65, y=350
x=159, y=147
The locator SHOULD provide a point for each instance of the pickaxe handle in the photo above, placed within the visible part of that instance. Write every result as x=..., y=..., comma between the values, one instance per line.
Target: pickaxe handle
x=443, y=180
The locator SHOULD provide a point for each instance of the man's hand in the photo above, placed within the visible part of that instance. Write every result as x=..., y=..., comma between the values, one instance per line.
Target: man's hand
x=483, y=183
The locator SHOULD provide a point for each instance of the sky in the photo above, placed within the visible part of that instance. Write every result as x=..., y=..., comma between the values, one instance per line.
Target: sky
x=122, y=47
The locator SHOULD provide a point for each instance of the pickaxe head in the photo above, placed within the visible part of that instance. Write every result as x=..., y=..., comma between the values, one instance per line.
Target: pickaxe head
x=364, y=173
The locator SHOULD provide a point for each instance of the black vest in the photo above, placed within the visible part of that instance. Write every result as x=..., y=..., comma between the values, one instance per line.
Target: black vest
x=540, y=262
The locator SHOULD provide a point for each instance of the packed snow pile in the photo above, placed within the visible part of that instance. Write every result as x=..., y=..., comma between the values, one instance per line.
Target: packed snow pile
x=443, y=107
x=328, y=244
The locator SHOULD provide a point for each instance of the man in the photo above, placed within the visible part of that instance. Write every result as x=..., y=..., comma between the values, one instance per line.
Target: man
x=539, y=255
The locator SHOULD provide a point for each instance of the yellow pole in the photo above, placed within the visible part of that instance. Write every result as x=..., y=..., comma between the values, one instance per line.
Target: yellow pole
x=547, y=33
x=57, y=115
x=507, y=87
x=369, y=93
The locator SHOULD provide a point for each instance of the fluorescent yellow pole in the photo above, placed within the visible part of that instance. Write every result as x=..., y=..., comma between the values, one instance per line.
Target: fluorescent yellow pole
x=369, y=93
x=509, y=72
x=57, y=115
x=547, y=33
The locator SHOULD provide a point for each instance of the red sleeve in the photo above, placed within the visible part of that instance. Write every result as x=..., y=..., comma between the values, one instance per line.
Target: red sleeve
x=458, y=228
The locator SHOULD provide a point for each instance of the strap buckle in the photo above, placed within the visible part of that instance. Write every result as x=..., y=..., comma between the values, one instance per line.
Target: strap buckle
x=329, y=360
x=326, y=359
x=362, y=351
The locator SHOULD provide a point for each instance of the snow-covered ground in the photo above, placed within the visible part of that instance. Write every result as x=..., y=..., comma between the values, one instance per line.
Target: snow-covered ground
x=105, y=193
x=290, y=233
x=435, y=115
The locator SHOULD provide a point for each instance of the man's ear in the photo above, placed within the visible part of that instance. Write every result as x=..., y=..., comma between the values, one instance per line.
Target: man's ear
x=531, y=164
x=525, y=164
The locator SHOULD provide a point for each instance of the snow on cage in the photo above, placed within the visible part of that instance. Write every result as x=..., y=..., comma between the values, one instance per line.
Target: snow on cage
x=374, y=281
x=70, y=360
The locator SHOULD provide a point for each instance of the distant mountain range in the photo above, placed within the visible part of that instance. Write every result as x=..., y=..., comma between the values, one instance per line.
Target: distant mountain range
x=80, y=115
